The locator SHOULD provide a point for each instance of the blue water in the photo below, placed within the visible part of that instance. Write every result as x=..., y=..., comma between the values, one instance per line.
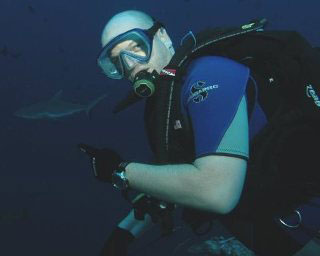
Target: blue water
x=51, y=205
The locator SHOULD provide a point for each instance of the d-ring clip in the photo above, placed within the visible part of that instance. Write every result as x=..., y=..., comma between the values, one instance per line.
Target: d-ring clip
x=293, y=226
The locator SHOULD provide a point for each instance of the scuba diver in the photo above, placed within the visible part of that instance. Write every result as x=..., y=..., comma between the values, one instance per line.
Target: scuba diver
x=232, y=117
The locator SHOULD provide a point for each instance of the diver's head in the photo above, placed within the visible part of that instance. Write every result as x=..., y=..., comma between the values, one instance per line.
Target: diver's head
x=133, y=42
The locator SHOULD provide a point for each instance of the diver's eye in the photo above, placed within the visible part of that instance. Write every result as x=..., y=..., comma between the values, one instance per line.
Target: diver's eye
x=137, y=49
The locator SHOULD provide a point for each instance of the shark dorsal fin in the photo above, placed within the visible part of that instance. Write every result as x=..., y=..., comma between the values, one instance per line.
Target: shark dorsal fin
x=57, y=96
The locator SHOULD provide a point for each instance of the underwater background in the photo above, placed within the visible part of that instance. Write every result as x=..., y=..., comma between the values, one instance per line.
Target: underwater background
x=50, y=203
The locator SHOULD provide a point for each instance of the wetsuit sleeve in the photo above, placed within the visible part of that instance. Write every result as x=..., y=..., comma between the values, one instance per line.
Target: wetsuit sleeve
x=213, y=97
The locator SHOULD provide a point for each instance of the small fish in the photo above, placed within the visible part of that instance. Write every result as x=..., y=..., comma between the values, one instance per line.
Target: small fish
x=257, y=4
x=55, y=108
x=12, y=217
x=31, y=9
x=61, y=50
x=4, y=51
x=15, y=55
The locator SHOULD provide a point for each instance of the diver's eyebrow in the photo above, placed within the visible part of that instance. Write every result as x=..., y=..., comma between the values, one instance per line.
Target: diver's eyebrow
x=133, y=43
x=114, y=53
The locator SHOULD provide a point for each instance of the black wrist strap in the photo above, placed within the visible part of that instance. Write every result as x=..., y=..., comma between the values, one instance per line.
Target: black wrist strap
x=123, y=165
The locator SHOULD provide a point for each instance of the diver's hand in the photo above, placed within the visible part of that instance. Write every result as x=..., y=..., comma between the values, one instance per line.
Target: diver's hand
x=104, y=161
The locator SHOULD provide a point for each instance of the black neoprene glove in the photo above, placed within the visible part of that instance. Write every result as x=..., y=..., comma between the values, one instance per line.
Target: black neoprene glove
x=104, y=161
x=117, y=243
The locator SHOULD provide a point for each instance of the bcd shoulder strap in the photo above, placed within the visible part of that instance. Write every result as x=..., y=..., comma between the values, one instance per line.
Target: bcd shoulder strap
x=284, y=59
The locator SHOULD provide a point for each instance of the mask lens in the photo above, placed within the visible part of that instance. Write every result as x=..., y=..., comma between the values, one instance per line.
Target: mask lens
x=110, y=68
x=139, y=47
x=129, y=61
x=138, y=50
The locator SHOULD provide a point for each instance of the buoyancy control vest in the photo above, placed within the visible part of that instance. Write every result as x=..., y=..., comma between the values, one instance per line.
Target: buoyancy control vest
x=286, y=68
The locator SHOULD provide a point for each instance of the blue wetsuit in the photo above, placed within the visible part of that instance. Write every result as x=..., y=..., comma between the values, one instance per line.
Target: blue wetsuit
x=214, y=98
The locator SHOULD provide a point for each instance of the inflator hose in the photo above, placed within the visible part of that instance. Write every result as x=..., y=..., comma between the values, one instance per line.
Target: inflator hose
x=117, y=243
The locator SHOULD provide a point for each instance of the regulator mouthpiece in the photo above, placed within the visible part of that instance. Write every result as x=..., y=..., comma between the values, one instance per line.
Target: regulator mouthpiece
x=144, y=83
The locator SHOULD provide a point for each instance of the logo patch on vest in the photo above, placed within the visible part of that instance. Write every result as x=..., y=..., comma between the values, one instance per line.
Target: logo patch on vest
x=311, y=93
x=199, y=91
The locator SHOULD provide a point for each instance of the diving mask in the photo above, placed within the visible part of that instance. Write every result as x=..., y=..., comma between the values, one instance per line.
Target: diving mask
x=137, y=50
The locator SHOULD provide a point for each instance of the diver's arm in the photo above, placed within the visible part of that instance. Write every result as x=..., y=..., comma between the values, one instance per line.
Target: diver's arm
x=213, y=183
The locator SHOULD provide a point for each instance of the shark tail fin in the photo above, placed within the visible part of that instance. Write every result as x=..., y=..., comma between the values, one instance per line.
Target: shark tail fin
x=92, y=104
x=57, y=96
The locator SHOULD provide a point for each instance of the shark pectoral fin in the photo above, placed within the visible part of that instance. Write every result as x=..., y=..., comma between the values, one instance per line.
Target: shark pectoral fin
x=94, y=103
x=57, y=96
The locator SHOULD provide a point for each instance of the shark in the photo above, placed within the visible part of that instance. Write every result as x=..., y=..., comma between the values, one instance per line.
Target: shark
x=55, y=108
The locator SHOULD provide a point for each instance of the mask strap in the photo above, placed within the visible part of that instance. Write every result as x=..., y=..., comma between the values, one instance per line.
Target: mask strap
x=169, y=45
x=153, y=30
